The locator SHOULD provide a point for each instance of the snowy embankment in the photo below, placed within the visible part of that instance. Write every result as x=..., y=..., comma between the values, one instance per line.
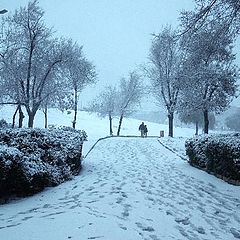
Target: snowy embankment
x=129, y=188
x=94, y=126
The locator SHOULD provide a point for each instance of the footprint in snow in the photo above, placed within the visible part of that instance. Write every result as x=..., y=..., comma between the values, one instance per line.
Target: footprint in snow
x=201, y=230
x=235, y=233
x=144, y=228
x=184, y=221
x=97, y=237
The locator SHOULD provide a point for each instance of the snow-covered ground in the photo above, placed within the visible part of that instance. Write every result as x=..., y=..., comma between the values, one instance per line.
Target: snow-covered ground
x=94, y=126
x=129, y=188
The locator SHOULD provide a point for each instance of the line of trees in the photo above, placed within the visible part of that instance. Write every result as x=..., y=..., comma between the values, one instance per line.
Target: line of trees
x=38, y=70
x=192, y=74
x=192, y=69
x=120, y=101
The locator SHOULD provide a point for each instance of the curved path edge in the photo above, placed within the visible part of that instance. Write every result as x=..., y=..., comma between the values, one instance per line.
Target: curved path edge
x=103, y=138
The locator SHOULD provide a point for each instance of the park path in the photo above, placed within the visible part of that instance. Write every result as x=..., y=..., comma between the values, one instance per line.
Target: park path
x=129, y=188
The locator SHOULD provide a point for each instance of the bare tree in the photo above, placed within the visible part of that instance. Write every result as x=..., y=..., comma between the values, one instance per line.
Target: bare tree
x=105, y=105
x=209, y=72
x=196, y=117
x=164, y=71
x=80, y=73
x=10, y=90
x=130, y=93
x=34, y=59
x=56, y=98
x=208, y=11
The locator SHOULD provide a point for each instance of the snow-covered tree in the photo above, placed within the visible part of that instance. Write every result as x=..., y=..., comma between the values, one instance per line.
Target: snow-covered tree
x=32, y=57
x=196, y=117
x=105, y=105
x=9, y=73
x=164, y=71
x=34, y=63
x=227, y=12
x=61, y=98
x=80, y=73
x=209, y=73
x=130, y=93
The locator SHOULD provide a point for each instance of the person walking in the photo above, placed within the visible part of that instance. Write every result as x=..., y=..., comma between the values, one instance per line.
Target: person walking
x=141, y=129
x=145, y=130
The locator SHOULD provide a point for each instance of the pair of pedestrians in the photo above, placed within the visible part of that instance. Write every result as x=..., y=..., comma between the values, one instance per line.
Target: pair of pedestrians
x=143, y=129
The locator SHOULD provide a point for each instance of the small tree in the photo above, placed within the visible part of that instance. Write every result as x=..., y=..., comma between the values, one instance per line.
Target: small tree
x=105, y=105
x=130, y=92
x=80, y=73
x=209, y=73
x=32, y=61
x=196, y=117
x=164, y=71
x=33, y=57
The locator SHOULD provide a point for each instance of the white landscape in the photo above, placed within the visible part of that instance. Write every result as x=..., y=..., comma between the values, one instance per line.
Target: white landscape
x=129, y=188
x=177, y=58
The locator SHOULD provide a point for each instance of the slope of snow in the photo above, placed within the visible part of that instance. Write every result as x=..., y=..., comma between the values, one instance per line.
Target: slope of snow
x=94, y=126
x=129, y=188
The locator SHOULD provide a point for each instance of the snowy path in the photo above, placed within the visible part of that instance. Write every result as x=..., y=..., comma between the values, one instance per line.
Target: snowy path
x=130, y=188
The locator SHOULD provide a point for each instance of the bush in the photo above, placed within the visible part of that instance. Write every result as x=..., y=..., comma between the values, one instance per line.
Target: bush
x=195, y=149
x=32, y=159
x=216, y=154
x=4, y=124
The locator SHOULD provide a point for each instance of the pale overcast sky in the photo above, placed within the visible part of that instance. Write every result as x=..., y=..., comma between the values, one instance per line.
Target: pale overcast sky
x=116, y=34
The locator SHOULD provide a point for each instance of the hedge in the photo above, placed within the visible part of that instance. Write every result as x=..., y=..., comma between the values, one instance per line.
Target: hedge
x=216, y=154
x=32, y=159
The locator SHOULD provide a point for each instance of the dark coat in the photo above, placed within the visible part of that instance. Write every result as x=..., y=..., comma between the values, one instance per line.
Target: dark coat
x=141, y=127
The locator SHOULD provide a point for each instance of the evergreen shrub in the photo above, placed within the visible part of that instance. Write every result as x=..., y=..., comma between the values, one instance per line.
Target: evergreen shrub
x=32, y=159
x=216, y=154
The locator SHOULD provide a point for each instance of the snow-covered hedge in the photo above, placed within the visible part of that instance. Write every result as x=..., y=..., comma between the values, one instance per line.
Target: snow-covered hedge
x=32, y=159
x=217, y=154
x=4, y=124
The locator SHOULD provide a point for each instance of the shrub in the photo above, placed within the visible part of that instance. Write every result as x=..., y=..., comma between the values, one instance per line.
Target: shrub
x=216, y=154
x=195, y=149
x=32, y=159
x=4, y=124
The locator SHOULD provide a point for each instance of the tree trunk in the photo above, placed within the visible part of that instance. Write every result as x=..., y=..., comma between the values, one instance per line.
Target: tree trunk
x=14, y=117
x=30, y=119
x=206, y=121
x=21, y=117
x=196, y=133
x=110, y=124
x=31, y=116
x=45, y=116
x=170, y=124
x=120, y=124
x=75, y=109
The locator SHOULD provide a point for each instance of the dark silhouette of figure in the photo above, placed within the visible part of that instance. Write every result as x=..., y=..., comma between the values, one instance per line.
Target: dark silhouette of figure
x=141, y=128
x=145, y=130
